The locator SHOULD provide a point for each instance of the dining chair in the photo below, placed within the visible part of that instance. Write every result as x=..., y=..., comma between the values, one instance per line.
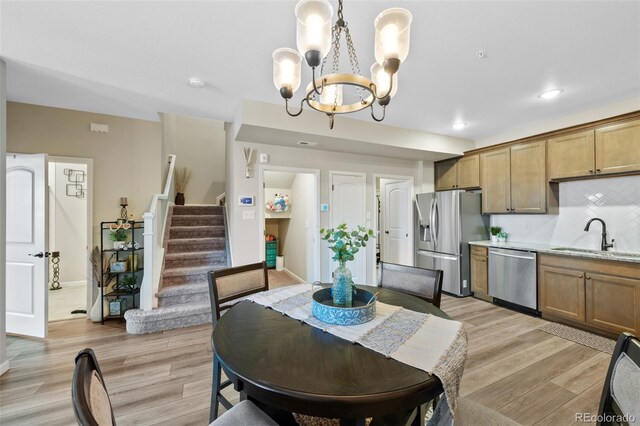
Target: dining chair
x=91, y=404
x=226, y=287
x=420, y=282
x=620, y=399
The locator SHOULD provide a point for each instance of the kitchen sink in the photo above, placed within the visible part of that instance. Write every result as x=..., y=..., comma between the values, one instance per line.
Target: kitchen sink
x=598, y=252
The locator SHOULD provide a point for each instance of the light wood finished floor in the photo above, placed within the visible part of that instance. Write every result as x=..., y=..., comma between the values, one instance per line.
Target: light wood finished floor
x=165, y=378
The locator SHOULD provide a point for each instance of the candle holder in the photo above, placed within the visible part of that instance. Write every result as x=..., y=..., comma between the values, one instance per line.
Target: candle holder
x=124, y=215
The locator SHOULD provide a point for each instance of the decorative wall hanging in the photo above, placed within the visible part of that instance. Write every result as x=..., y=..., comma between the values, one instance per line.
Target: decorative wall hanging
x=247, y=156
x=55, y=269
x=77, y=178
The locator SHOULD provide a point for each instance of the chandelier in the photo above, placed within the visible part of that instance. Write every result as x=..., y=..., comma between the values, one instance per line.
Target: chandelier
x=327, y=92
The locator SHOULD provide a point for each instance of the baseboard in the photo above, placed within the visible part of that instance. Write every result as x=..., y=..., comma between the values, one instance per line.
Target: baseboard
x=295, y=276
x=4, y=367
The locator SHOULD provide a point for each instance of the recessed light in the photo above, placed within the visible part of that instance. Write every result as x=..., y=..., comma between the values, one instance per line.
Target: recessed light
x=550, y=94
x=196, y=83
x=459, y=125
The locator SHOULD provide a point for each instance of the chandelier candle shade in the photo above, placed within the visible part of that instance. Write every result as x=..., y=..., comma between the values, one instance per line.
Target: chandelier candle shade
x=328, y=92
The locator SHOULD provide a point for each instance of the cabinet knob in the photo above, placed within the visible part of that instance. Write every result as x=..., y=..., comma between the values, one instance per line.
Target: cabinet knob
x=590, y=171
x=597, y=170
x=588, y=277
x=580, y=276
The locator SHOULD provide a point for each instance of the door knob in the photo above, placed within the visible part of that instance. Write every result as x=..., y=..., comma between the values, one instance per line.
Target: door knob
x=386, y=232
x=40, y=255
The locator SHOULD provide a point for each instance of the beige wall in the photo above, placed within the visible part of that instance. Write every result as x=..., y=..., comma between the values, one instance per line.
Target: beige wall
x=245, y=242
x=199, y=144
x=126, y=163
x=298, y=249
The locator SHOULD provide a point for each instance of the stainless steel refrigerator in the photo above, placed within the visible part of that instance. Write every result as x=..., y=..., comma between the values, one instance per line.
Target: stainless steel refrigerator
x=445, y=223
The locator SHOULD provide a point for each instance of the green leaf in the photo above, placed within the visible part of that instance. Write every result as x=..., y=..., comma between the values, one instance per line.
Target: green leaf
x=355, y=250
x=354, y=234
x=370, y=231
x=364, y=244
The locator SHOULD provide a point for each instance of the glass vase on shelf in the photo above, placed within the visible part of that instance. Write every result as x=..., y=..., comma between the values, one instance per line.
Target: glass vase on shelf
x=342, y=290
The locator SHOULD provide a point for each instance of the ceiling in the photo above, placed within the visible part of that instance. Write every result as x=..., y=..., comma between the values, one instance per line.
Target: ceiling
x=134, y=58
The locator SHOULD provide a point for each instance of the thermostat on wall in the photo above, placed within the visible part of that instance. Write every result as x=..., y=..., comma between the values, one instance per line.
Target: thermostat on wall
x=246, y=200
x=264, y=157
x=324, y=207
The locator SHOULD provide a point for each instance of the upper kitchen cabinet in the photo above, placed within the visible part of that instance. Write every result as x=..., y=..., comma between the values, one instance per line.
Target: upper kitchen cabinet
x=496, y=181
x=572, y=156
x=462, y=173
x=514, y=179
x=469, y=172
x=618, y=148
x=446, y=174
x=528, y=178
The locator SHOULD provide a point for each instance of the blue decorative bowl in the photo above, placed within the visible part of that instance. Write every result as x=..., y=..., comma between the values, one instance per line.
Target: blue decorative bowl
x=323, y=309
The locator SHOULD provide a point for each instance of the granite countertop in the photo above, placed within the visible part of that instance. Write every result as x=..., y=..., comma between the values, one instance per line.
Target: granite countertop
x=571, y=252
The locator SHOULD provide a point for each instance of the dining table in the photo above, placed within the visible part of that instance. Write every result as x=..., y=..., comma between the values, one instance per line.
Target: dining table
x=286, y=366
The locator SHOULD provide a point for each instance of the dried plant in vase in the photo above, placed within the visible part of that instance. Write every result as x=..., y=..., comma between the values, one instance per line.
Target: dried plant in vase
x=181, y=176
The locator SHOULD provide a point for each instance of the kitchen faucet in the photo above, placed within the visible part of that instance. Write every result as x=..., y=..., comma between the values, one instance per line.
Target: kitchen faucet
x=604, y=246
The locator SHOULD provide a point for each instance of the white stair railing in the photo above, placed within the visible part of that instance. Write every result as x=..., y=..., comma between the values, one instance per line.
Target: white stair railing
x=154, y=228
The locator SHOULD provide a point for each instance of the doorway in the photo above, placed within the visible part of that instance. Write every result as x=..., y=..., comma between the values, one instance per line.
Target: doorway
x=289, y=223
x=394, y=219
x=69, y=264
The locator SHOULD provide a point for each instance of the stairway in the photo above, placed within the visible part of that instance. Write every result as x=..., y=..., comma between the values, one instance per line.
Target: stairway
x=195, y=244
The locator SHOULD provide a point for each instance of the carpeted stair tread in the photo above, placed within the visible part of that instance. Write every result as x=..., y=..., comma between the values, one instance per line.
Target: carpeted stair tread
x=167, y=317
x=194, y=255
x=197, y=220
x=198, y=287
x=197, y=210
x=179, y=245
x=184, y=232
x=178, y=272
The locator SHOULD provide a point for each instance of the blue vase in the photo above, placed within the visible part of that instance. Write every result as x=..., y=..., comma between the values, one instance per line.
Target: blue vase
x=342, y=290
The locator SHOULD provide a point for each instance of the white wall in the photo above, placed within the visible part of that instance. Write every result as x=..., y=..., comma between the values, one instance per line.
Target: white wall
x=245, y=244
x=68, y=224
x=615, y=200
x=298, y=248
x=199, y=145
x=4, y=363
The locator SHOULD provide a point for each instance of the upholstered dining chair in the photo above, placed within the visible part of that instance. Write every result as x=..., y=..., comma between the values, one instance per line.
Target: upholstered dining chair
x=89, y=396
x=227, y=286
x=621, y=393
x=92, y=406
x=420, y=282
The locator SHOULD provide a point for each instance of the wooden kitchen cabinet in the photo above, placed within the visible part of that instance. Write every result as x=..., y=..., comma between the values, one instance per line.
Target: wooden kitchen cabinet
x=600, y=295
x=618, y=148
x=528, y=178
x=468, y=172
x=462, y=173
x=572, y=155
x=514, y=179
x=561, y=293
x=479, y=272
x=496, y=181
x=446, y=174
x=613, y=303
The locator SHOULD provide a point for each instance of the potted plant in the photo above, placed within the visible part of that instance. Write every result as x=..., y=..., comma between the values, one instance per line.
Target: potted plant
x=344, y=244
x=182, y=176
x=119, y=236
x=130, y=281
x=494, y=230
x=502, y=237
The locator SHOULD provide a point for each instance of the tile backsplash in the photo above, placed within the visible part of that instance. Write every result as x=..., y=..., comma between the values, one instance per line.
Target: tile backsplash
x=614, y=200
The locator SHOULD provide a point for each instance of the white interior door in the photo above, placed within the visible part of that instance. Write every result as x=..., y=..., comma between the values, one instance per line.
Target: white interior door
x=348, y=206
x=396, y=217
x=27, y=265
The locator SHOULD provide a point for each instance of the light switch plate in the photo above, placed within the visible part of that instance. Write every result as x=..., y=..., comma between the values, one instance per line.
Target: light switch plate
x=249, y=214
x=264, y=157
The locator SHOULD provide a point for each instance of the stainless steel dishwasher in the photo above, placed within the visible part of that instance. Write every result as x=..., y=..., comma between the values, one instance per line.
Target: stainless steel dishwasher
x=512, y=277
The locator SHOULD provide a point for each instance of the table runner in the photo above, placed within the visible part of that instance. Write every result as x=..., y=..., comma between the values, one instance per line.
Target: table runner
x=424, y=341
